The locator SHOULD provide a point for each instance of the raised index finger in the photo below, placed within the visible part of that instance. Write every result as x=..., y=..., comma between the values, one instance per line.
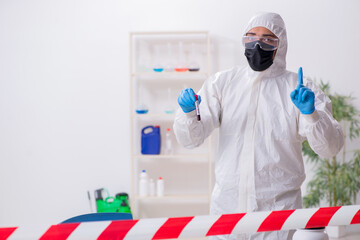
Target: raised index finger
x=300, y=76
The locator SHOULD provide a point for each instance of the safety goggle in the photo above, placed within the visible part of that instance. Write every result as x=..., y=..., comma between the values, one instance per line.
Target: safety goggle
x=265, y=43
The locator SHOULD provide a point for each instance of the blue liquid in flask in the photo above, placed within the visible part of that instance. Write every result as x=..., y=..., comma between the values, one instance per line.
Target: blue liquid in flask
x=158, y=69
x=143, y=111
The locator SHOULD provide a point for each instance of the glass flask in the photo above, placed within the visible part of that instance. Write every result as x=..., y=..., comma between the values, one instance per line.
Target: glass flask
x=169, y=109
x=141, y=107
x=158, y=67
x=169, y=67
x=193, y=66
x=181, y=65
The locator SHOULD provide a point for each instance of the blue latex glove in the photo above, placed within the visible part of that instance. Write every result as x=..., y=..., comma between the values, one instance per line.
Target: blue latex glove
x=187, y=100
x=303, y=97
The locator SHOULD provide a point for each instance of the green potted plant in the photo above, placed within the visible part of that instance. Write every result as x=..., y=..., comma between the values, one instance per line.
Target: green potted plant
x=337, y=180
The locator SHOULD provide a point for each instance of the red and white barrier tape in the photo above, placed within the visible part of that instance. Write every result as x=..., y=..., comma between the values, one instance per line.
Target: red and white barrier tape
x=191, y=227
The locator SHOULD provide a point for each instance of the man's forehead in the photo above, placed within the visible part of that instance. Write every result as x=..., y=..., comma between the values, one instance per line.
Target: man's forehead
x=260, y=31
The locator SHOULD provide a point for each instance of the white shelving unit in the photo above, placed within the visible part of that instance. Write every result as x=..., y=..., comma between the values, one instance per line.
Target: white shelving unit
x=187, y=173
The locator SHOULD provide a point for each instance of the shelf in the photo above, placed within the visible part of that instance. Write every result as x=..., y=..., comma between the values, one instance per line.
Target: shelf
x=169, y=33
x=188, y=156
x=152, y=116
x=171, y=76
x=199, y=197
x=158, y=91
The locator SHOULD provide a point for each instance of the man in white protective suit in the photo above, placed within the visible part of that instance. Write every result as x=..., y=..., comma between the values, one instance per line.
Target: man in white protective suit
x=263, y=113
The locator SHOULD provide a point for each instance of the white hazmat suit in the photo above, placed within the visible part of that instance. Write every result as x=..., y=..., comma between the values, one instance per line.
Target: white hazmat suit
x=259, y=165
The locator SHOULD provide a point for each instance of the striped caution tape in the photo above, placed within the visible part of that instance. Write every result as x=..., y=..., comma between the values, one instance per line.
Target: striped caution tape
x=190, y=227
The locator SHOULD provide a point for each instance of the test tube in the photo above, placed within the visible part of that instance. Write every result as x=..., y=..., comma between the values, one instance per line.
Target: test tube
x=197, y=108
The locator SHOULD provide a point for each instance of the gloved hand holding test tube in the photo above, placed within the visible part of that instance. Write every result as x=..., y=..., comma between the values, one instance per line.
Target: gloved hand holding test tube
x=189, y=101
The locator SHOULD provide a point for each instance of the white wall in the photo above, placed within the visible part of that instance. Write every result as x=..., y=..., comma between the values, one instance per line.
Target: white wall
x=64, y=88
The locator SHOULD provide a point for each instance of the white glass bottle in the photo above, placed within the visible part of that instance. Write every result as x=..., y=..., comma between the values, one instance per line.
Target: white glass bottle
x=151, y=187
x=160, y=187
x=168, y=142
x=143, y=184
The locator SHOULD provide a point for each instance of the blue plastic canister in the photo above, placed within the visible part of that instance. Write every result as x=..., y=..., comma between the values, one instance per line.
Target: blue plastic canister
x=150, y=140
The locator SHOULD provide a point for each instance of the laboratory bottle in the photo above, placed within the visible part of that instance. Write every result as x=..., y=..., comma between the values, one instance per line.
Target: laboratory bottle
x=151, y=187
x=150, y=140
x=143, y=184
x=160, y=187
x=123, y=198
x=168, y=142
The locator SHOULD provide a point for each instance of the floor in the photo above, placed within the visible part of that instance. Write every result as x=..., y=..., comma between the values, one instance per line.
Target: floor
x=349, y=236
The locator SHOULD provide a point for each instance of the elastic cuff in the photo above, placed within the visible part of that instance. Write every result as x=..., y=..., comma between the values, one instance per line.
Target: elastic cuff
x=191, y=114
x=308, y=112
x=311, y=118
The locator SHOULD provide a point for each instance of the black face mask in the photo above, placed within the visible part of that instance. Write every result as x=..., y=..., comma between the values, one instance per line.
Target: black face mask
x=258, y=59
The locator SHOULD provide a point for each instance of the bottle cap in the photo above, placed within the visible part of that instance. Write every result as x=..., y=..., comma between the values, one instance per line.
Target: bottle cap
x=122, y=194
x=160, y=178
x=143, y=170
x=157, y=126
x=168, y=129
